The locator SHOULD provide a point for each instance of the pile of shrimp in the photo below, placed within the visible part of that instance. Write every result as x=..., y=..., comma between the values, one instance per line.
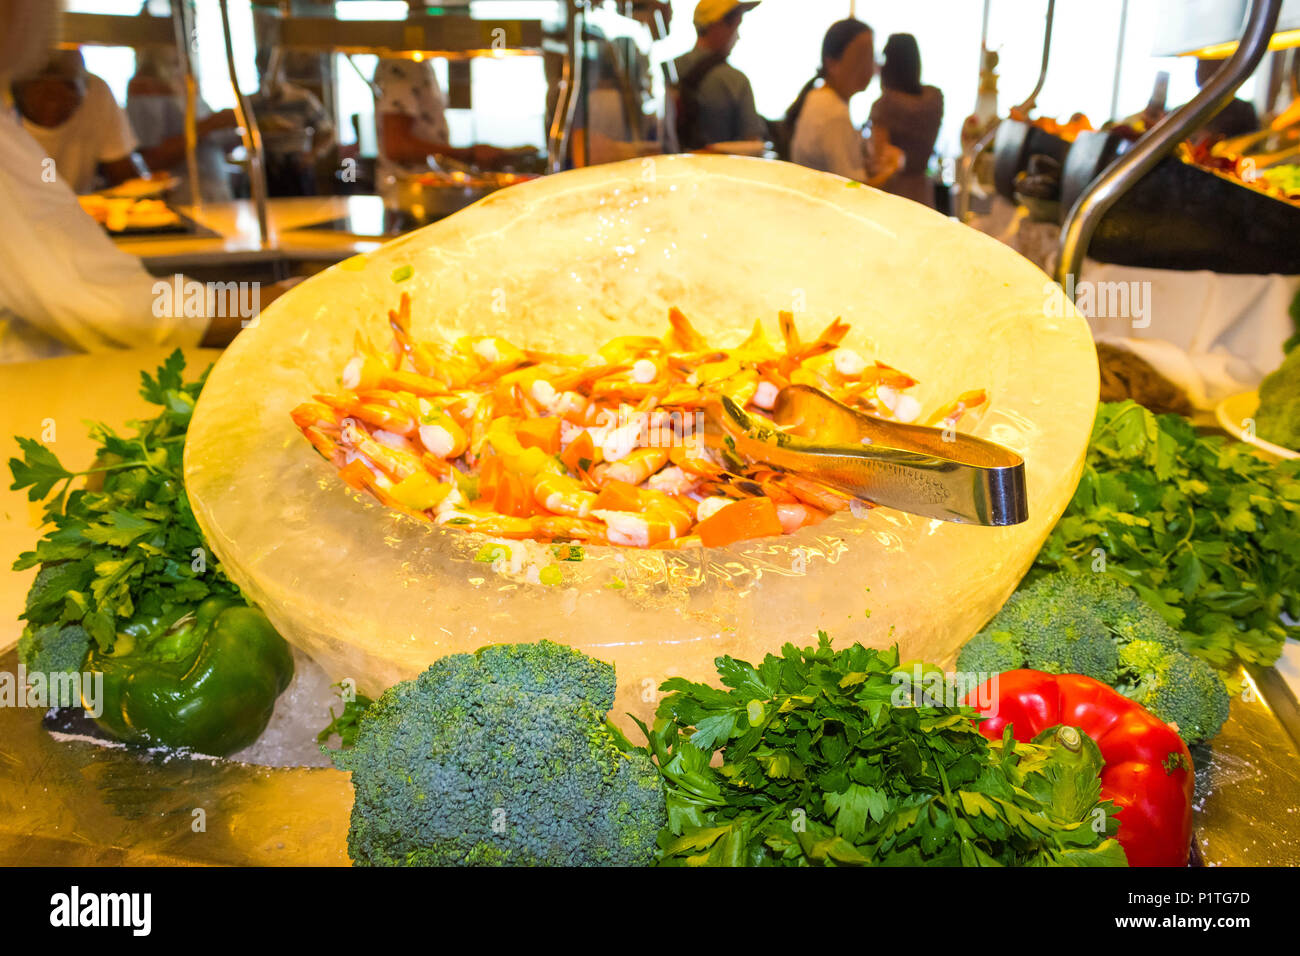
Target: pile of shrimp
x=601, y=449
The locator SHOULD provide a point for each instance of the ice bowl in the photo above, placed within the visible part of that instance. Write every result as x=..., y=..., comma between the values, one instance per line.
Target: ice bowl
x=565, y=263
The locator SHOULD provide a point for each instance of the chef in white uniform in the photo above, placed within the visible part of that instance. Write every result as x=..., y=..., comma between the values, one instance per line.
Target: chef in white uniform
x=64, y=286
x=73, y=116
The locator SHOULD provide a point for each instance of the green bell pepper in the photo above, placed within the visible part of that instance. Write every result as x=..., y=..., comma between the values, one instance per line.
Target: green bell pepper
x=206, y=679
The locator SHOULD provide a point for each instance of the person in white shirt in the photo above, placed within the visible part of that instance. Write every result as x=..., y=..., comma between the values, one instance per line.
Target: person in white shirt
x=411, y=124
x=73, y=116
x=822, y=134
x=64, y=286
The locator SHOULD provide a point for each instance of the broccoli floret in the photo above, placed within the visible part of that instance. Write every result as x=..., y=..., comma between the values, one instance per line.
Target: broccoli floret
x=1055, y=624
x=1278, y=418
x=550, y=668
x=991, y=652
x=503, y=758
x=1125, y=614
x=1178, y=688
x=55, y=648
x=1071, y=623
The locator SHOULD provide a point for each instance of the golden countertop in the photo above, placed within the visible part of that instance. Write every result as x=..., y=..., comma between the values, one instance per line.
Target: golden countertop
x=236, y=226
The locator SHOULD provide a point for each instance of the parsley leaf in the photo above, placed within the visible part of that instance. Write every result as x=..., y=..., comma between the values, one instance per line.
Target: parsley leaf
x=38, y=470
x=124, y=546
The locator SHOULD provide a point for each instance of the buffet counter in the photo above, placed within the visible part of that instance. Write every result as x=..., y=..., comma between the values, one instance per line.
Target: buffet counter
x=292, y=238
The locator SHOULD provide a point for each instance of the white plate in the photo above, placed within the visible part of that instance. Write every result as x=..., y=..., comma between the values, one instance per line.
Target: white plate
x=1233, y=414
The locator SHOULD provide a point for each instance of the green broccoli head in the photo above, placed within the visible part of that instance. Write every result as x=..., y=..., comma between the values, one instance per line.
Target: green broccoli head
x=1123, y=611
x=550, y=668
x=1278, y=418
x=1175, y=686
x=991, y=652
x=1071, y=623
x=503, y=758
x=1055, y=625
x=1068, y=623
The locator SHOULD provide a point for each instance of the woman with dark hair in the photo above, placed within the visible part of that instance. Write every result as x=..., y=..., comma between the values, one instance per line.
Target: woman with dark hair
x=909, y=114
x=821, y=133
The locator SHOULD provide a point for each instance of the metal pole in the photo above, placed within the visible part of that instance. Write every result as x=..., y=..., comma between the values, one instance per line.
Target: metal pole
x=191, y=102
x=252, y=136
x=1119, y=60
x=561, y=132
x=966, y=161
x=1028, y=104
x=966, y=165
x=966, y=169
x=579, y=79
x=1106, y=190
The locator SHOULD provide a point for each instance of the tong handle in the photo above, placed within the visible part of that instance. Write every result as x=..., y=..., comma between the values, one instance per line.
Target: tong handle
x=932, y=472
x=806, y=411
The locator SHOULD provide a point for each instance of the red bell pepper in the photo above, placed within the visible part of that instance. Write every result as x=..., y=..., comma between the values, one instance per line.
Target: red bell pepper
x=1148, y=771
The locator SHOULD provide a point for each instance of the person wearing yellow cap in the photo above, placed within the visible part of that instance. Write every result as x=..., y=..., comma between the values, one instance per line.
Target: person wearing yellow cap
x=714, y=102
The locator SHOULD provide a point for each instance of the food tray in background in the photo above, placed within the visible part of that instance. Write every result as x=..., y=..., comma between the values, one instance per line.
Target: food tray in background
x=133, y=216
x=1014, y=145
x=1184, y=218
x=183, y=226
x=68, y=801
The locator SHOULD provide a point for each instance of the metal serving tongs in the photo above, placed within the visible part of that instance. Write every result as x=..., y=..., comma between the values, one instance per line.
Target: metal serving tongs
x=914, y=468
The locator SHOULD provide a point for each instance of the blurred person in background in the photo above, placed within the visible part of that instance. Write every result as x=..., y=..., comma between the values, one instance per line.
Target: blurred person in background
x=822, y=134
x=909, y=115
x=714, y=101
x=295, y=126
x=73, y=116
x=64, y=286
x=613, y=107
x=411, y=125
x=155, y=105
x=1237, y=118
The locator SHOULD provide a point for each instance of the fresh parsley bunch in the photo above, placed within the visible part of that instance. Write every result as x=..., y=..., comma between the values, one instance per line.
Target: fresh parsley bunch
x=1207, y=531
x=125, y=547
x=820, y=766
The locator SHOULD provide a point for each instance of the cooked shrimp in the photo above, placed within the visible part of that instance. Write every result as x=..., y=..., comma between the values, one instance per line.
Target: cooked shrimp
x=684, y=334
x=634, y=467
x=395, y=463
x=672, y=480
x=798, y=515
x=378, y=414
x=950, y=413
x=599, y=448
x=442, y=436
x=814, y=493
x=563, y=495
